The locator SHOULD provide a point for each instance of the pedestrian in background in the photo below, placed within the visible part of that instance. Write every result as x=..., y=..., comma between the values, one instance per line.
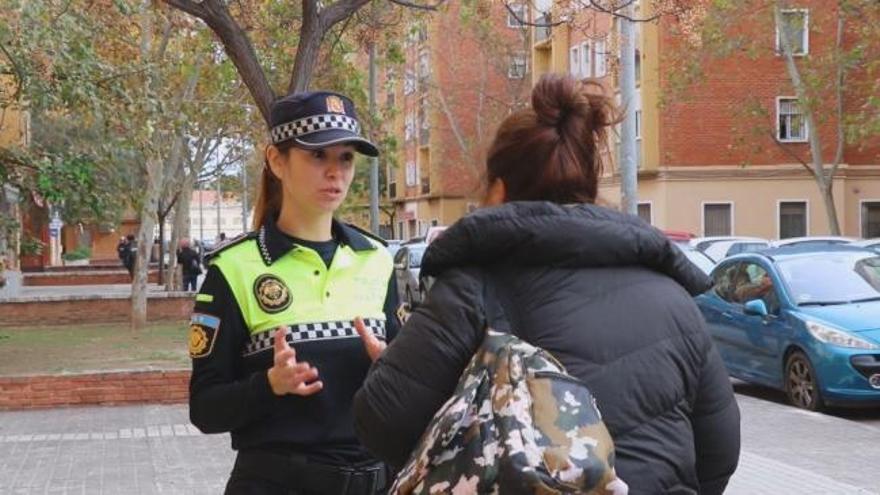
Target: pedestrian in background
x=190, y=264
x=604, y=292
x=290, y=316
x=129, y=254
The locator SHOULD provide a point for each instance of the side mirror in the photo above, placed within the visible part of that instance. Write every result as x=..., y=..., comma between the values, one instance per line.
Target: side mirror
x=756, y=307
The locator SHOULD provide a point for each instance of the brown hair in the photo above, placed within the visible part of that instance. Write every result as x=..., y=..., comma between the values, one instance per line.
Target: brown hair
x=551, y=151
x=269, y=194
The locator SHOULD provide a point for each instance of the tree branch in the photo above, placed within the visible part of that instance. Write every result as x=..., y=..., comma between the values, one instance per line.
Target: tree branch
x=19, y=80
x=190, y=7
x=237, y=45
x=412, y=5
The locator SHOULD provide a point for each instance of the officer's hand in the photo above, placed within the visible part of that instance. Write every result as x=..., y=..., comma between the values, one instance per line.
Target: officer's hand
x=373, y=345
x=289, y=377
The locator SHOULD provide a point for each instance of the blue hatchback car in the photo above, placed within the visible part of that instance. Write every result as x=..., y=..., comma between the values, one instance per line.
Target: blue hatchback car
x=802, y=320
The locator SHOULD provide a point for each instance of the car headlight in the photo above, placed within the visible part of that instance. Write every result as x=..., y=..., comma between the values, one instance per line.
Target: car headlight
x=833, y=336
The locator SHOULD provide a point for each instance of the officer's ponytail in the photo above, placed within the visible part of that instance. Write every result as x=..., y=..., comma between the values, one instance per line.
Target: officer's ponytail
x=269, y=195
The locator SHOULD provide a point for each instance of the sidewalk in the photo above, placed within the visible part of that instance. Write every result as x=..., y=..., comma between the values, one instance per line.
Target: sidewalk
x=154, y=450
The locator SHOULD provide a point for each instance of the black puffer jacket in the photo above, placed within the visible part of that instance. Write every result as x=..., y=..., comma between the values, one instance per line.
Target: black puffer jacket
x=607, y=295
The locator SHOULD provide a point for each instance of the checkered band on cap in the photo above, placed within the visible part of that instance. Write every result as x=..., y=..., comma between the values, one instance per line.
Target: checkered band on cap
x=305, y=332
x=315, y=123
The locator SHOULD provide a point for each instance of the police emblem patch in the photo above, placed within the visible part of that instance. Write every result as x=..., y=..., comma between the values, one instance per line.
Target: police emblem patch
x=202, y=334
x=335, y=105
x=271, y=293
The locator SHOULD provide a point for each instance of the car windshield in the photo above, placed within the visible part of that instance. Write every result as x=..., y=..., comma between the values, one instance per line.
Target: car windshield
x=832, y=278
x=415, y=256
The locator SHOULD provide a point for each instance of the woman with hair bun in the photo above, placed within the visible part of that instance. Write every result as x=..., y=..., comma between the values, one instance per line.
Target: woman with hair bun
x=605, y=293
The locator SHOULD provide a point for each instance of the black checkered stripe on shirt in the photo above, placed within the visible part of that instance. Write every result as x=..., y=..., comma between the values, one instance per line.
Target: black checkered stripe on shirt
x=311, y=332
x=315, y=123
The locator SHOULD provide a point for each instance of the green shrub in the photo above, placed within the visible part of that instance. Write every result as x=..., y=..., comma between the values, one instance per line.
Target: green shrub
x=80, y=253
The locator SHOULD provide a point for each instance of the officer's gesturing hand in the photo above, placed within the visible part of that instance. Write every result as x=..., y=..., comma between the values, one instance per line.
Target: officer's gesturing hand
x=287, y=376
x=373, y=345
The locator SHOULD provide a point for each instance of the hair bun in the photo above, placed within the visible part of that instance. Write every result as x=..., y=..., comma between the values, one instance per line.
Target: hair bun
x=559, y=100
x=556, y=99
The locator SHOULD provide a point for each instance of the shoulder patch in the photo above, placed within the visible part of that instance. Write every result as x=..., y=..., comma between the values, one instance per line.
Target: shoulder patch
x=367, y=233
x=228, y=244
x=202, y=334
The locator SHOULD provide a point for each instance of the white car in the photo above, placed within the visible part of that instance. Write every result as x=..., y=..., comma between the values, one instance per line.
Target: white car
x=868, y=243
x=815, y=241
x=718, y=248
x=698, y=258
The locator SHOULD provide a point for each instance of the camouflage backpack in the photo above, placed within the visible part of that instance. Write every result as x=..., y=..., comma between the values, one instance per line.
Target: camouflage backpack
x=516, y=424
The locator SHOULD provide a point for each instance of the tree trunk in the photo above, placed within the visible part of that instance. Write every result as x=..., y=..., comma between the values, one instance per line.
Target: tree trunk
x=830, y=208
x=180, y=231
x=161, y=219
x=139, y=285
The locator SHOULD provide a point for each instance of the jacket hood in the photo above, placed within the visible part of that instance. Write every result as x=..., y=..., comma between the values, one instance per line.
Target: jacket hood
x=561, y=236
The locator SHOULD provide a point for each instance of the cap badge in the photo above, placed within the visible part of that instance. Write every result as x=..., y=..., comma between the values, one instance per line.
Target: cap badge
x=335, y=105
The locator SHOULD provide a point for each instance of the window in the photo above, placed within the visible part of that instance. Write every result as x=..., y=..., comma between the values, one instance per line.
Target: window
x=743, y=282
x=792, y=219
x=601, y=59
x=574, y=61
x=424, y=65
x=409, y=130
x=517, y=67
x=586, y=59
x=412, y=174
x=796, y=22
x=638, y=117
x=391, y=178
x=717, y=219
x=870, y=219
x=645, y=212
x=516, y=14
x=791, y=125
x=409, y=82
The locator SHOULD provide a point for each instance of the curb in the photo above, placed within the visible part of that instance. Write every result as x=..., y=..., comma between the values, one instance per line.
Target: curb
x=95, y=388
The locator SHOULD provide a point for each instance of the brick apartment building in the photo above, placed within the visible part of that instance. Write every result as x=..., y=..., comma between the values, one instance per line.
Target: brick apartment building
x=466, y=67
x=706, y=165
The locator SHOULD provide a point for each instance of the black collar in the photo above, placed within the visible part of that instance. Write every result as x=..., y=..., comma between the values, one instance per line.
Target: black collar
x=274, y=244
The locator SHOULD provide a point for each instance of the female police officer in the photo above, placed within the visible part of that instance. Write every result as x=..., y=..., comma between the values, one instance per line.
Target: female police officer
x=289, y=316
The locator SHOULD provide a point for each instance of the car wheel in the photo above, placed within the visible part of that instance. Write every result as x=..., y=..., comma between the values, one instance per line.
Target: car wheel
x=801, y=385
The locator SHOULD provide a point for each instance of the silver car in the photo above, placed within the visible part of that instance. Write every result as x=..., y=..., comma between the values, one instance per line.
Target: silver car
x=407, y=265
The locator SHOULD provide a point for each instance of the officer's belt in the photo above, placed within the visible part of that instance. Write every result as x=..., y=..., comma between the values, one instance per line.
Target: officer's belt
x=294, y=471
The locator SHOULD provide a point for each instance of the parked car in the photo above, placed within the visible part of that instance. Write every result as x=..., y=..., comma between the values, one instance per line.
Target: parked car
x=718, y=248
x=803, y=320
x=434, y=232
x=814, y=241
x=407, y=265
x=868, y=243
x=679, y=236
x=698, y=258
x=393, y=245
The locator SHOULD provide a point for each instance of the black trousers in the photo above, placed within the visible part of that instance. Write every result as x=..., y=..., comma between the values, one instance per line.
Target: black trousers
x=259, y=472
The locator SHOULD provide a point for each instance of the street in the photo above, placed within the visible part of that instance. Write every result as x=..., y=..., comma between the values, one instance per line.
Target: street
x=154, y=450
